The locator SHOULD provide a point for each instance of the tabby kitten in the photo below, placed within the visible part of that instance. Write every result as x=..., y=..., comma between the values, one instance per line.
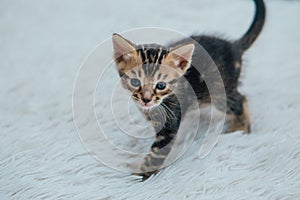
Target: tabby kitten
x=153, y=73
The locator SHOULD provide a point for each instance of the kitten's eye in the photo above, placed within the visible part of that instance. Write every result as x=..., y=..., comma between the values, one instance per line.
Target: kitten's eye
x=161, y=85
x=135, y=82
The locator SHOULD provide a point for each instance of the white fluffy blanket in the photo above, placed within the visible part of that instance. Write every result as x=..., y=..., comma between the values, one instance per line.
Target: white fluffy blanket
x=42, y=44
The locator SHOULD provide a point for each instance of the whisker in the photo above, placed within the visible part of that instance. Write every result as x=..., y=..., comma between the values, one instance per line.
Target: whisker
x=168, y=110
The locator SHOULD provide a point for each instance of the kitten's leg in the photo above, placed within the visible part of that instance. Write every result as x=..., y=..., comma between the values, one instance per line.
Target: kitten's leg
x=155, y=159
x=164, y=141
x=238, y=113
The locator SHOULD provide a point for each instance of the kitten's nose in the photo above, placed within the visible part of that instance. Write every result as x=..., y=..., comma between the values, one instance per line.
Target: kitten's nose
x=146, y=100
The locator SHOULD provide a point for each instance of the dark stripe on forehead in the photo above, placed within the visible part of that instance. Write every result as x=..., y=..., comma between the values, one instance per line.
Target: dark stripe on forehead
x=163, y=53
x=150, y=69
x=152, y=55
x=155, y=69
x=141, y=52
x=145, y=69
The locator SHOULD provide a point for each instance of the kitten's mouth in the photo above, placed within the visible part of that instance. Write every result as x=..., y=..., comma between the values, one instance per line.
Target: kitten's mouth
x=147, y=105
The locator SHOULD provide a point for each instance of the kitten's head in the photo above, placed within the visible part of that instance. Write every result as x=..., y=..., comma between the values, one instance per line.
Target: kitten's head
x=150, y=72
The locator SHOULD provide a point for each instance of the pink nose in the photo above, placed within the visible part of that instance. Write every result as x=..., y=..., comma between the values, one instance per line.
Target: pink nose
x=146, y=100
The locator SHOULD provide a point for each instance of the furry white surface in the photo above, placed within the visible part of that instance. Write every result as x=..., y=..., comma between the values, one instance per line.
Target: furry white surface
x=42, y=46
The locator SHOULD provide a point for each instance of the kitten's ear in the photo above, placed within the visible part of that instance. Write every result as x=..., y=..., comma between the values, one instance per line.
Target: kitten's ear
x=123, y=49
x=181, y=57
x=125, y=55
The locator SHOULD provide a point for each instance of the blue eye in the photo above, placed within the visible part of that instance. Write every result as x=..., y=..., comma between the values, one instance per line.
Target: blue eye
x=135, y=82
x=161, y=85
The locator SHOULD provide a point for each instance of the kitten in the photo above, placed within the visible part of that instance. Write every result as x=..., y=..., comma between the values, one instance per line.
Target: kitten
x=152, y=73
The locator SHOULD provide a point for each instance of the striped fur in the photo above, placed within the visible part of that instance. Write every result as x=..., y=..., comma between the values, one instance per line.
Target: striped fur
x=154, y=74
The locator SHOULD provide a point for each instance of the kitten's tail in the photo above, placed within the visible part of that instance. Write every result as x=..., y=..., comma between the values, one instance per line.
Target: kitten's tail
x=257, y=25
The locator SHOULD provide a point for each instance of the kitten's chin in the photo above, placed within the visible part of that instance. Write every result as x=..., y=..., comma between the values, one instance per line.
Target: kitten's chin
x=147, y=107
x=143, y=107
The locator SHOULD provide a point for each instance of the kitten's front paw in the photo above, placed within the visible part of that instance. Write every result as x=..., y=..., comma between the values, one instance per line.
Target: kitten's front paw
x=145, y=175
